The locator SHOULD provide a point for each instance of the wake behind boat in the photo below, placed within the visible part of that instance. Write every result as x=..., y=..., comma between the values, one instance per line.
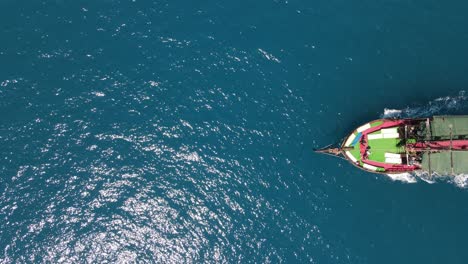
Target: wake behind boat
x=436, y=145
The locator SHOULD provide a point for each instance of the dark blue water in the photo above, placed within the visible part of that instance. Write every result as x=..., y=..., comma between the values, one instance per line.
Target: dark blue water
x=182, y=131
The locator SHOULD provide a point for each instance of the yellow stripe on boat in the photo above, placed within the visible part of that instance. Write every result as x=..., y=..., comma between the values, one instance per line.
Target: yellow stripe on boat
x=364, y=127
x=369, y=167
x=351, y=157
x=350, y=140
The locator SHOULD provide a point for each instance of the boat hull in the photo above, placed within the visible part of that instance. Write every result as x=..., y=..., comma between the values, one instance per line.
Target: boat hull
x=390, y=146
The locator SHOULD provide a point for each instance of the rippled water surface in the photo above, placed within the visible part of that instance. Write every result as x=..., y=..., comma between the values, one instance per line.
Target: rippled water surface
x=182, y=131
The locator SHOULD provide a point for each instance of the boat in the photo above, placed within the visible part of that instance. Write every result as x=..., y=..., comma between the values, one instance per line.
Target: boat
x=437, y=145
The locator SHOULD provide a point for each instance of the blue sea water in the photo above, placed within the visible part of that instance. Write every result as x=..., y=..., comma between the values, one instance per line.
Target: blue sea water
x=182, y=131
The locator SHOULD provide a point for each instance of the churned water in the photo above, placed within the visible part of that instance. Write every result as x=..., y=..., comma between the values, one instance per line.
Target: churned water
x=182, y=131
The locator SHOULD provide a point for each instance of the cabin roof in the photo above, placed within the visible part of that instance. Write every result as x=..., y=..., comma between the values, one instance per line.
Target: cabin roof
x=441, y=162
x=442, y=126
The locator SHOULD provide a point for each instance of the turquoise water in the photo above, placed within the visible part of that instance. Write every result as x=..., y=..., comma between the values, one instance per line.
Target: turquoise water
x=182, y=132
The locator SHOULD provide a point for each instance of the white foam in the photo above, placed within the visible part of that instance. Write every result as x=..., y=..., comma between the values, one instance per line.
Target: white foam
x=99, y=94
x=391, y=112
x=439, y=106
x=154, y=83
x=461, y=180
x=269, y=56
x=6, y=82
x=403, y=177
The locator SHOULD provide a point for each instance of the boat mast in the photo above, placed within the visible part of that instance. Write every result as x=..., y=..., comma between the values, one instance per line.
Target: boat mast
x=428, y=130
x=406, y=148
x=451, y=152
x=428, y=137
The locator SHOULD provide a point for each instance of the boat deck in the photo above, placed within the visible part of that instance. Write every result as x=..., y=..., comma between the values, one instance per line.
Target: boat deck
x=438, y=144
x=377, y=152
x=385, y=149
x=378, y=148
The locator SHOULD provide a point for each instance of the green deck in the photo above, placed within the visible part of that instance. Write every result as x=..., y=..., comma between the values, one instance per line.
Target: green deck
x=378, y=148
x=356, y=152
x=377, y=123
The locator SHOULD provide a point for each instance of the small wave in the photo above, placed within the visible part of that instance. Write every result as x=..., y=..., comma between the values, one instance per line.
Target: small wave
x=98, y=94
x=424, y=176
x=269, y=56
x=460, y=180
x=392, y=113
x=403, y=177
x=439, y=106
